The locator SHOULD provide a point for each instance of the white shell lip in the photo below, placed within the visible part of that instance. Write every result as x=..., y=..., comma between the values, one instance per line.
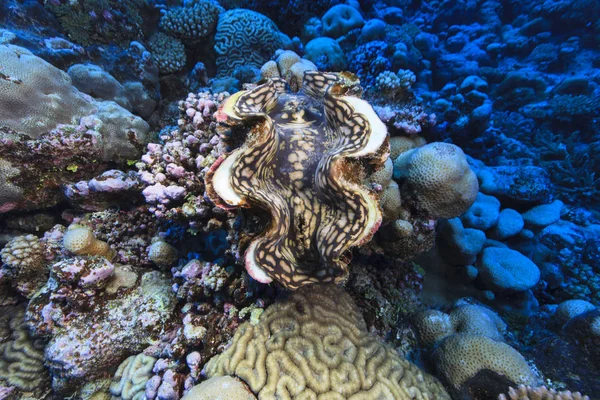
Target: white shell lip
x=378, y=128
x=222, y=183
x=254, y=270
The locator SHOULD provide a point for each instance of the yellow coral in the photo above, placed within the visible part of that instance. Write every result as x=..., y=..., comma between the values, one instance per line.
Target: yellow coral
x=80, y=240
x=382, y=176
x=391, y=202
x=316, y=344
x=439, y=178
x=289, y=66
x=434, y=325
x=401, y=144
x=463, y=355
x=220, y=387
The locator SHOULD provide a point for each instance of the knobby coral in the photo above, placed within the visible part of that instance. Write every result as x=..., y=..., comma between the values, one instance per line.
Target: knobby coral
x=314, y=345
x=303, y=160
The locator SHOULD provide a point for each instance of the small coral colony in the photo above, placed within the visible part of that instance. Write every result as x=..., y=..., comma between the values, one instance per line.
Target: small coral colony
x=265, y=199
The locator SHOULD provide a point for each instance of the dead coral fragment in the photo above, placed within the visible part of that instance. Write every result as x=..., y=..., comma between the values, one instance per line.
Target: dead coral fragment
x=315, y=344
x=538, y=393
x=304, y=161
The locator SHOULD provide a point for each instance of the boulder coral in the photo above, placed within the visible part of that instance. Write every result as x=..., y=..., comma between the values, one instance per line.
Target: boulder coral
x=466, y=361
x=316, y=344
x=80, y=240
x=303, y=161
x=439, y=178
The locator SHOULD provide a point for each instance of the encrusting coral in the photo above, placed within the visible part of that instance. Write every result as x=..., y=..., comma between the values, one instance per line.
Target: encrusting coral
x=316, y=344
x=303, y=160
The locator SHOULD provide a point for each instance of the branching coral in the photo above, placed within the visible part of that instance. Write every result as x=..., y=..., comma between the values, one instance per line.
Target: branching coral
x=315, y=344
x=303, y=160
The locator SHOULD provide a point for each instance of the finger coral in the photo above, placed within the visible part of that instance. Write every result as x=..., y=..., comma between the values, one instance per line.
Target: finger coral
x=316, y=344
x=304, y=160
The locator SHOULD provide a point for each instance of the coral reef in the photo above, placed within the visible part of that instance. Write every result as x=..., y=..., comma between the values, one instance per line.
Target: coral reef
x=171, y=168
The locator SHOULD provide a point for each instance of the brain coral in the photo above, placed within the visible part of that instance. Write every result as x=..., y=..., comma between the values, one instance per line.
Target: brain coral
x=245, y=37
x=304, y=160
x=22, y=356
x=129, y=382
x=34, y=95
x=316, y=344
x=220, y=387
x=196, y=20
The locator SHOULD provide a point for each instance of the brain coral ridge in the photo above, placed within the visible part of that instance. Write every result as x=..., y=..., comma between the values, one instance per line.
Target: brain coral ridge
x=304, y=161
x=315, y=345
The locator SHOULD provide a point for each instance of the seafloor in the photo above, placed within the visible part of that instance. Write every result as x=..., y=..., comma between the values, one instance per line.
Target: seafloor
x=264, y=199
